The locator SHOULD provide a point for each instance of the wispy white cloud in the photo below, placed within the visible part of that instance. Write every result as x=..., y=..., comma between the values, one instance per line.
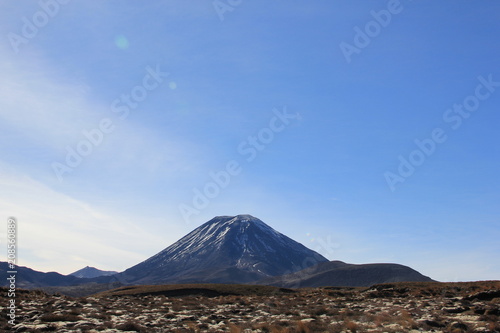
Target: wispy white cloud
x=50, y=109
x=39, y=103
x=58, y=232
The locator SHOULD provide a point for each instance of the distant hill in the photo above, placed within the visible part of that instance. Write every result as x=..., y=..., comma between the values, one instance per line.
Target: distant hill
x=341, y=274
x=29, y=278
x=91, y=272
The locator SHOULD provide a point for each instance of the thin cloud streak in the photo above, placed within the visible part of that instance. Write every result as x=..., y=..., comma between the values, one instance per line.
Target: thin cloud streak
x=53, y=228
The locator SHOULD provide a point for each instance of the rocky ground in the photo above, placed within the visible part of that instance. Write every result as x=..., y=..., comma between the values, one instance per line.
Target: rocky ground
x=400, y=307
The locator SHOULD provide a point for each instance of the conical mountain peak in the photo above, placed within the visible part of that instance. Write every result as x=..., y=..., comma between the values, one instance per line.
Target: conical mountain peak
x=238, y=248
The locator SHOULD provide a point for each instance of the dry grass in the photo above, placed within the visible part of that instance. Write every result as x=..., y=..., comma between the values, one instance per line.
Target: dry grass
x=398, y=307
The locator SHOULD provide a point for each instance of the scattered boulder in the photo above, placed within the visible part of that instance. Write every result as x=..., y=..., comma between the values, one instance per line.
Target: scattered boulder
x=434, y=323
x=458, y=325
x=484, y=295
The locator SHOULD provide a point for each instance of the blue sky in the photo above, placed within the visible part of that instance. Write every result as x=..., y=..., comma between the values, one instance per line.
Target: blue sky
x=311, y=133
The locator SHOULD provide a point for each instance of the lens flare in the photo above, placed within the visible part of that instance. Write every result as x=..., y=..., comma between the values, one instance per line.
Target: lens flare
x=121, y=42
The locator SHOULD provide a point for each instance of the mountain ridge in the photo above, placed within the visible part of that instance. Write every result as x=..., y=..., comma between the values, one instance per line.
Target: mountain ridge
x=237, y=249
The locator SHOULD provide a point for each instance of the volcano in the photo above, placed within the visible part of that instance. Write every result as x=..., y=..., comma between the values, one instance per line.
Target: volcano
x=226, y=249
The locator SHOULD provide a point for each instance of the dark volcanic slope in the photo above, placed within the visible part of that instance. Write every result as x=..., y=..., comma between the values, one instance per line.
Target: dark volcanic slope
x=338, y=273
x=226, y=249
x=198, y=289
